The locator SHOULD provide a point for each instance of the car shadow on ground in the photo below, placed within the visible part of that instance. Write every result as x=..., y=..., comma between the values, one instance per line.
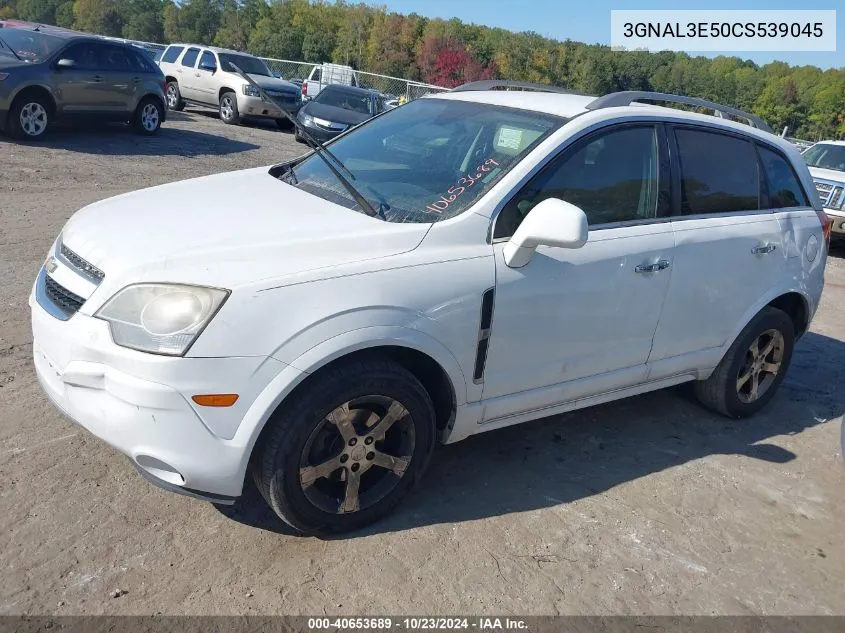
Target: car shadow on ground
x=837, y=248
x=258, y=124
x=119, y=140
x=564, y=458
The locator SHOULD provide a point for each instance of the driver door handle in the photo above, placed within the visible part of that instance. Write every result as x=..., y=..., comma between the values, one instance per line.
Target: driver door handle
x=763, y=249
x=662, y=264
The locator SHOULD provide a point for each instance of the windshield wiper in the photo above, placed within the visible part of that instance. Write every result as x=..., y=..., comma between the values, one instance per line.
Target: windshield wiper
x=319, y=149
x=11, y=50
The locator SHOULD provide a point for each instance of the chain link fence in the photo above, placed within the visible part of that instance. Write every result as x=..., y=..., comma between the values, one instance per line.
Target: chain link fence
x=394, y=87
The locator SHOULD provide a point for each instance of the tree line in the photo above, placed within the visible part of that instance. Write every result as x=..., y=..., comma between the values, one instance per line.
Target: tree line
x=811, y=102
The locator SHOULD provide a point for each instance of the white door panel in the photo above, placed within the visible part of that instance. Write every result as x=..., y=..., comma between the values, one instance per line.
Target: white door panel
x=723, y=265
x=573, y=313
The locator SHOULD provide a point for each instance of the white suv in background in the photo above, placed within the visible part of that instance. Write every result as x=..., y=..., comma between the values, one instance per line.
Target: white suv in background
x=469, y=261
x=827, y=166
x=203, y=75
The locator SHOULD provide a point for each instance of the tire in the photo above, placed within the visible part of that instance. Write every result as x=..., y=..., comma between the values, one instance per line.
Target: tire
x=297, y=137
x=284, y=124
x=387, y=465
x=174, y=97
x=229, y=108
x=30, y=118
x=148, y=116
x=730, y=389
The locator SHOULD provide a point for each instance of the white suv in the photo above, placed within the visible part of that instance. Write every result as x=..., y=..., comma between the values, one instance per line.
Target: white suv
x=499, y=256
x=203, y=75
x=827, y=166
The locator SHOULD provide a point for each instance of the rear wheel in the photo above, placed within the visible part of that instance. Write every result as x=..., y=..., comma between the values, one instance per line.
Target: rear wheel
x=284, y=124
x=29, y=118
x=148, y=116
x=229, y=108
x=347, y=448
x=174, y=97
x=754, y=367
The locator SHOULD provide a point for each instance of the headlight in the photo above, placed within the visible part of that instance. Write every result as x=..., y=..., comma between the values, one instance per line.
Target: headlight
x=160, y=318
x=251, y=91
x=307, y=119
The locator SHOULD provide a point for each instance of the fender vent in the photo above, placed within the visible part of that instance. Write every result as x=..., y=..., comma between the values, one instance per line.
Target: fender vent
x=484, y=334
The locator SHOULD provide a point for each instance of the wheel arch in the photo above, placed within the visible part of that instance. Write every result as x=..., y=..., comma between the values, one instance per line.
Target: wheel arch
x=423, y=356
x=794, y=302
x=223, y=90
x=35, y=89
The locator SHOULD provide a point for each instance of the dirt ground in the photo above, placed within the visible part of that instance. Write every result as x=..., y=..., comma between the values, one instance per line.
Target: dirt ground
x=646, y=506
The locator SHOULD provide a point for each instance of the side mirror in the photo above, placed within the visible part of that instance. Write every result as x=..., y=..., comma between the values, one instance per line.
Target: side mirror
x=552, y=222
x=66, y=63
x=209, y=67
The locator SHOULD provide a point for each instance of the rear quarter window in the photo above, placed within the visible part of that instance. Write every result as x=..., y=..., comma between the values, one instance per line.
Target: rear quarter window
x=783, y=187
x=172, y=54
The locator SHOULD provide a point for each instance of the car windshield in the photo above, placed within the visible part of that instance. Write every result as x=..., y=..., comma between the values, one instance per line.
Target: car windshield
x=826, y=156
x=346, y=99
x=250, y=65
x=28, y=45
x=428, y=160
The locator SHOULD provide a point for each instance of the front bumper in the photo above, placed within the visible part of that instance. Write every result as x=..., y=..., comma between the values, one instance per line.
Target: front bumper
x=141, y=403
x=258, y=108
x=838, y=217
x=321, y=134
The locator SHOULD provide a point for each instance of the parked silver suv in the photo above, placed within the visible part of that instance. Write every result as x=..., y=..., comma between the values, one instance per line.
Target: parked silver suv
x=204, y=75
x=51, y=74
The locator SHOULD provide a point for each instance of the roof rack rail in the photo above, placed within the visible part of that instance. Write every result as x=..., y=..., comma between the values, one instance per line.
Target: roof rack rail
x=501, y=84
x=627, y=97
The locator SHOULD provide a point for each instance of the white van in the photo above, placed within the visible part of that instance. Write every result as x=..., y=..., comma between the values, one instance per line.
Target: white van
x=326, y=74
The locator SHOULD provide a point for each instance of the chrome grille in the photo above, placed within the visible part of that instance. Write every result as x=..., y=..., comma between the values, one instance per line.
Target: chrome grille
x=68, y=302
x=830, y=193
x=86, y=268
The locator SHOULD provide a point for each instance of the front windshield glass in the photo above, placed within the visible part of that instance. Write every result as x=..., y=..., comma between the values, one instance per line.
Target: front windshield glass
x=250, y=65
x=346, y=99
x=826, y=156
x=428, y=160
x=30, y=46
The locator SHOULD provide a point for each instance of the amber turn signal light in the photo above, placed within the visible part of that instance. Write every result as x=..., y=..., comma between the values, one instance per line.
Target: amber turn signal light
x=216, y=399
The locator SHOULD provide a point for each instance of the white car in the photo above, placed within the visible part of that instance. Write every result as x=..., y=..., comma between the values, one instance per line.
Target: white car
x=499, y=256
x=827, y=166
x=205, y=76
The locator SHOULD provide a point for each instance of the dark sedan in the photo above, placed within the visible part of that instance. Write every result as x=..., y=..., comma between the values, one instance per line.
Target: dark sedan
x=336, y=109
x=48, y=75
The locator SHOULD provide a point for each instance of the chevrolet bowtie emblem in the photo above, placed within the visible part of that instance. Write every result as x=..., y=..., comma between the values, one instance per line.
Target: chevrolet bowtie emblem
x=51, y=264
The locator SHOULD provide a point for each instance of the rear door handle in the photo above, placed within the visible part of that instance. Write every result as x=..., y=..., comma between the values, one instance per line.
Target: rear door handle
x=763, y=249
x=652, y=268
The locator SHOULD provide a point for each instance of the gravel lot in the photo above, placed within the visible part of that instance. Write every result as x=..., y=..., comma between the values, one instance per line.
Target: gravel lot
x=649, y=505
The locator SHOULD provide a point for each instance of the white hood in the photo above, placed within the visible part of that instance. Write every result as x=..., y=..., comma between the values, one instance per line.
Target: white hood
x=832, y=175
x=227, y=230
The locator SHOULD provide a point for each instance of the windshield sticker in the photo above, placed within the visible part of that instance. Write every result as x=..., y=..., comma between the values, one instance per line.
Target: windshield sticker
x=480, y=173
x=509, y=138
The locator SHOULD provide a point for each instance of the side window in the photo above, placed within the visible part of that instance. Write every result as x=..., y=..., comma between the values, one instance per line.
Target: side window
x=613, y=177
x=118, y=58
x=719, y=173
x=190, y=58
x=172, y=54
x=784, y=189
x=85, y=55
x=208, y=60
x=315, y=75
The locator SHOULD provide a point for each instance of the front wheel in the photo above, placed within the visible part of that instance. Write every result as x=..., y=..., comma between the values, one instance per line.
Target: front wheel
x=347, y=448
x=229, y=108
x=148, y=116
x=750, y=373
x=29, y=118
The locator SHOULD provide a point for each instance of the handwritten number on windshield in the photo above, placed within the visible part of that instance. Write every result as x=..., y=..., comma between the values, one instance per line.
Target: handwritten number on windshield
x=464, y=183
